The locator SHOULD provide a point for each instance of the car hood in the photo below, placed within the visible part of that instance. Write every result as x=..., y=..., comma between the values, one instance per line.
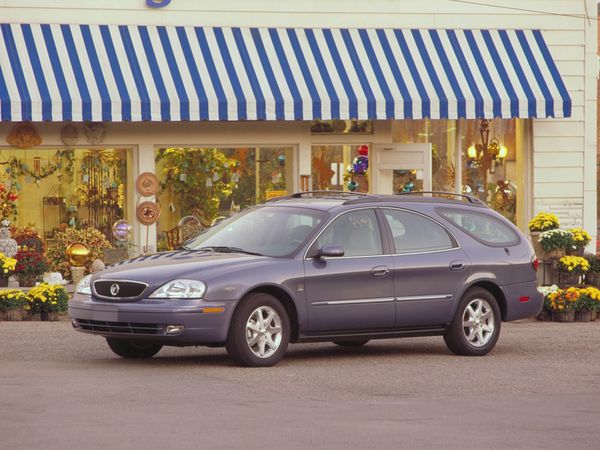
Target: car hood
x=162, y=267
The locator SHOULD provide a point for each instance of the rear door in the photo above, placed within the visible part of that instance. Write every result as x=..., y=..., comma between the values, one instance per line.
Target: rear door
x=429, y=268
x=355, y=291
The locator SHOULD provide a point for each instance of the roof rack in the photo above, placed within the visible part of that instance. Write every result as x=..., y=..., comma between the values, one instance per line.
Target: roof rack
x=469, y=198
x=332, y=194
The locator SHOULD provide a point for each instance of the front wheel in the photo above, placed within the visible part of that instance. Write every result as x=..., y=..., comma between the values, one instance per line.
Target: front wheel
x=260, y=331
x=476, y=325
x=133, y=349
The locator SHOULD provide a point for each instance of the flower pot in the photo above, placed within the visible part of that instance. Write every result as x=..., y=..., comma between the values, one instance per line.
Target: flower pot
x=569, y=279
x=537, y=247
x=583, y=316
x=592, y=278
x=544, y=316
x=15, y=315
x=52, y=316
x=4, y=281
x=563, y=316
x=593, y=315
x=553, y=254
x=27, y=280
x=576, y=251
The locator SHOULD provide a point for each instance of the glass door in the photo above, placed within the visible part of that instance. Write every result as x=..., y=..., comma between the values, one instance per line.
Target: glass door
x=402, y=168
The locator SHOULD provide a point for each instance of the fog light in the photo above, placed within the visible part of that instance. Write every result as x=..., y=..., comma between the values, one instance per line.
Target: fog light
x=74, y=323
x=174, y=329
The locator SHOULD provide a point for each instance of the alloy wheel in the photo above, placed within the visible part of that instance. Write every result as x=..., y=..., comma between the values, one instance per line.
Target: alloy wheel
x=264, y=331
x=478, y=322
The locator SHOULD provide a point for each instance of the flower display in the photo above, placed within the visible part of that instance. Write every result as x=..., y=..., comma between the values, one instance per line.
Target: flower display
x=581, y=238
x=556, y=240
x=8, y=202
x=90, y=237
x=544, y=222
x=593, y=261
x=47, y=298
x=30, y=262
x=576, y=265
x=7, y=265
x=564, y=299
x=589, y=299
x=13, y=299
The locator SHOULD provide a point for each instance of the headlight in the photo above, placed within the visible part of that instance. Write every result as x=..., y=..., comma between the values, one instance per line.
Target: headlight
x=84, y=286
x=180, y=289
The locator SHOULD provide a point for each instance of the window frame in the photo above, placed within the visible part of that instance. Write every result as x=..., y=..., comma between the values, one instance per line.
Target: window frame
x=392, y=245
x=491, y=217
x=311, y=253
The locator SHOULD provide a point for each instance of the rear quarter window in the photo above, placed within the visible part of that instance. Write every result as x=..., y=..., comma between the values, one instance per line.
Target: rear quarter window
x=483, y=227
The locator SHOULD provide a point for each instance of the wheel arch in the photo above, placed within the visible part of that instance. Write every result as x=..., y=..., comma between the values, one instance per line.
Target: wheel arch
x=284, y=298
x=495, y=290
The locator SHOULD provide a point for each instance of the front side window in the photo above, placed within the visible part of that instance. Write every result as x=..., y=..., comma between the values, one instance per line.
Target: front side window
x=483, y=227
x=270, y=231
x=357, y=232
x=413, y=233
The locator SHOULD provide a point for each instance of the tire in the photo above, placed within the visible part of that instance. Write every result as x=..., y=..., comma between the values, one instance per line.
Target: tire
x=133, y=349
x=254, y=340
x=357, y=343
x=479, y=310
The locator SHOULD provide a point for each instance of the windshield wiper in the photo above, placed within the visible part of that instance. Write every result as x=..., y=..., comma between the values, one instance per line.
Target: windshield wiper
x=224, y=249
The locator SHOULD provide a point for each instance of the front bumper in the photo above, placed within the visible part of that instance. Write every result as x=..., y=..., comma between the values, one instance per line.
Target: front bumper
x=148, y=319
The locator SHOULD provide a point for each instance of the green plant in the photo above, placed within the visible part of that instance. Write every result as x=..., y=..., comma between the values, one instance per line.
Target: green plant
x=581, y=238
x=564, y=299
x=12, y=299
x=7, y=265
x=48, y=298
x=93, y=239
x=589, y=299
x=30, y=262
x=544, y=222
x=556, y=240
x=593, y=261
x=576, y=265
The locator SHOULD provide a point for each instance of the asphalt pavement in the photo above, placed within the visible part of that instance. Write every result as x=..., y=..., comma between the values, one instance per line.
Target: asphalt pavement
x=540, y=388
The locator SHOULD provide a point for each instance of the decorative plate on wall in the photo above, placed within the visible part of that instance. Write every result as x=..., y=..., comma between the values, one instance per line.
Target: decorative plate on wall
x=147, y=184
x=147, y=213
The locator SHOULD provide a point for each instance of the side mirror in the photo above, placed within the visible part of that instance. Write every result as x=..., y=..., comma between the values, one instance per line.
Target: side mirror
x=330, y=250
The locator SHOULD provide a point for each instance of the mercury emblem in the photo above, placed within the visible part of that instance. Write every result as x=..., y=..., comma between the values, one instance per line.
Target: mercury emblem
x=114, y=289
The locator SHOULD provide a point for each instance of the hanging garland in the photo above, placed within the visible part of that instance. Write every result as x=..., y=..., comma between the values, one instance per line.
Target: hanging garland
x=63, y=161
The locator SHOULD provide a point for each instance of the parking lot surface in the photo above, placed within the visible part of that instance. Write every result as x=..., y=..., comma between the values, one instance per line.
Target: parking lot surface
x=540, y=388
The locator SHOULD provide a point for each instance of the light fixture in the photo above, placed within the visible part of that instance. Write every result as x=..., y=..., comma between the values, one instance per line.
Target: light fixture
x=488, y=152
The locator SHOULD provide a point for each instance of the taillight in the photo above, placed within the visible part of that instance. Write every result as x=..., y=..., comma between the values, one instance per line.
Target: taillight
x=535, y=263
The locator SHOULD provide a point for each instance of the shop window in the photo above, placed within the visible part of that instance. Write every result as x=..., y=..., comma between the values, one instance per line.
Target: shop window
x=341, y=126
x=330, y=168
x=59, y=188
x=203, y=185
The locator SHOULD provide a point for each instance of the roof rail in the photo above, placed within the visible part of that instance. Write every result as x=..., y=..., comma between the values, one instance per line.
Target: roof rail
x=469, y=198
x=332, y=194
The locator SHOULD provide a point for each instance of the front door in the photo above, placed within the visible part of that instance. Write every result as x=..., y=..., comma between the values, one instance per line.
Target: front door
x=355, y=291
x=402, y=168
x=429, y=268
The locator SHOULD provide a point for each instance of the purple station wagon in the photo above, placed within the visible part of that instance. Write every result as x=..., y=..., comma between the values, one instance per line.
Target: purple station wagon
x=321, y=266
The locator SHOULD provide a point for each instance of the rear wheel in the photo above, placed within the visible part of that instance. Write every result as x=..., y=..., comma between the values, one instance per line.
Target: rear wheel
x=260, y=331
x=133, y=349
x=476, y=325
x=357, y=343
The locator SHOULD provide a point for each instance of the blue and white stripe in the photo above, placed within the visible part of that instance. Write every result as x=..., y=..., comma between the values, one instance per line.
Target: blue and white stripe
x=156, y=73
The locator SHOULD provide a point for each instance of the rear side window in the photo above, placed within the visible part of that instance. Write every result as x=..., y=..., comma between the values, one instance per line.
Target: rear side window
x=483, y=227
x=413, y=233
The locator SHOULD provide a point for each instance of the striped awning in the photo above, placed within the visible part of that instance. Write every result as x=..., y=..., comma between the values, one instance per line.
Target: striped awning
x=157, y=73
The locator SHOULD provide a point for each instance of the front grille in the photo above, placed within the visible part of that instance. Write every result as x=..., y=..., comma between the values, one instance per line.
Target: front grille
x=119, y=327
x=119, y=289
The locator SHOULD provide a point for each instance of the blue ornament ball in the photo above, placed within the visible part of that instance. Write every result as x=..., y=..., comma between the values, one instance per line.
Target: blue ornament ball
x=360, y=164
x=352, y=185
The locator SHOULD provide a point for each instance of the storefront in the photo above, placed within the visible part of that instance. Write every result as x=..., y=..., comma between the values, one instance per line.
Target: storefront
x=228, y=117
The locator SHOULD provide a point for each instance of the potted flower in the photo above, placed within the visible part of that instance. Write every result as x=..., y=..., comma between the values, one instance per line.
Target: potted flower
x=581, y=239
x=48, y=300
x=545, y=314
x=592, y=276
x=588, y=304
x=571, y=268
x=13, y=303
x=30, y=265
x=7, y=267
x=555, y=242
x=541, y=222
x=563, y=303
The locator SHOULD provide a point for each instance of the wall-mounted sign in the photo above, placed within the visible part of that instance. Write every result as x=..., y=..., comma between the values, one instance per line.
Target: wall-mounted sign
x=157, y=3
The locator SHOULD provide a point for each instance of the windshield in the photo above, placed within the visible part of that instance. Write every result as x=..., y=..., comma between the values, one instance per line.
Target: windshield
x=269, y=231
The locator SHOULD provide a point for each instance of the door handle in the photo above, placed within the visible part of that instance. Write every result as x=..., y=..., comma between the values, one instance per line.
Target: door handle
x=457, y=265
x=380, y=271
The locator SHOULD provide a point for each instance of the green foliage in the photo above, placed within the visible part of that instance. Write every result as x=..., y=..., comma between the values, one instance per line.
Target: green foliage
x=12, y=299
